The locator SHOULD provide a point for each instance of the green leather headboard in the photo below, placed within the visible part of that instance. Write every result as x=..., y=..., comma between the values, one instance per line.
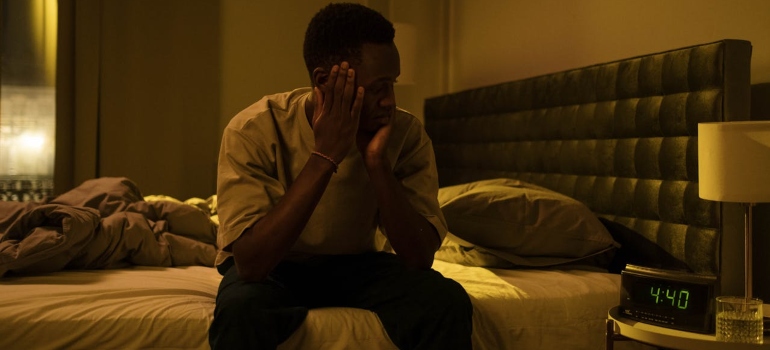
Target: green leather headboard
x=619, y=136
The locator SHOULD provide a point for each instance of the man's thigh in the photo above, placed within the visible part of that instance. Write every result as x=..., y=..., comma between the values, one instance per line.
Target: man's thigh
x=369, y=281
x=418, y=308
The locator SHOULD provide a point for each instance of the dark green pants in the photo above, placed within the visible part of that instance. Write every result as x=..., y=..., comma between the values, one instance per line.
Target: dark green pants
x=420, y=309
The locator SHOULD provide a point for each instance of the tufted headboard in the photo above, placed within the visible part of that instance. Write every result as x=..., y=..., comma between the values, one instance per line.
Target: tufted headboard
x=620, y=137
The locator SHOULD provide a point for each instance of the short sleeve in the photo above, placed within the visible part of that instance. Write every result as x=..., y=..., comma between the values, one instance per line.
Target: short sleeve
x=416, y=169
x=247, y=188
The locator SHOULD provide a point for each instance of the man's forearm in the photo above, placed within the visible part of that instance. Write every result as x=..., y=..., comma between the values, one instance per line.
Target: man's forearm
x=262, y=246
x=410, y=234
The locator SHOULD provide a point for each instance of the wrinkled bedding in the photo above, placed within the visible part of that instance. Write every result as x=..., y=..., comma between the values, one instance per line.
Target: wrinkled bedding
x=103, y=223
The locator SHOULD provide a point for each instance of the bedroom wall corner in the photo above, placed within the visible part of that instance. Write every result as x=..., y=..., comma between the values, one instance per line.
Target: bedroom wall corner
x=429, y=20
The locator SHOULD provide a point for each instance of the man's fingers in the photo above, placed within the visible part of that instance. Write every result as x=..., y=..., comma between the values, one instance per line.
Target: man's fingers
x=339, y=85
x=331, y=84
x=348, y=93
x=340, y=96
x=317, y=109
x=355, y=111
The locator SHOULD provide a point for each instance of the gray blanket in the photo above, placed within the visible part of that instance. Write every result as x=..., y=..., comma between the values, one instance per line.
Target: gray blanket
x=103, y=223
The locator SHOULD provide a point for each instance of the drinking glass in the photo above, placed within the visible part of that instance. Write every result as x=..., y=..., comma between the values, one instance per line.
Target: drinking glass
x=739, y=320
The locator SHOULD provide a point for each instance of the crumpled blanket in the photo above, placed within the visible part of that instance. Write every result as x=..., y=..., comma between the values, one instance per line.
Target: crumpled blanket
x=103, y=223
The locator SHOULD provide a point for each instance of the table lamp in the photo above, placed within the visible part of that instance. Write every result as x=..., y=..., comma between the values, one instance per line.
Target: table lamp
x=734, y=166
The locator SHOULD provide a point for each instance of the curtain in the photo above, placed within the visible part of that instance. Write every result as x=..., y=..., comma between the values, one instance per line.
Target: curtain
x=77, y=95
x=139, y=94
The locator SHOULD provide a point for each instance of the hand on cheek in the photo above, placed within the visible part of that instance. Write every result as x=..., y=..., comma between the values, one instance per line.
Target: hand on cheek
x=373, y=144
x=337, y=111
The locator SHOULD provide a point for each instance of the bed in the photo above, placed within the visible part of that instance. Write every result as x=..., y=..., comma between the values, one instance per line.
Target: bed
x=615, y=141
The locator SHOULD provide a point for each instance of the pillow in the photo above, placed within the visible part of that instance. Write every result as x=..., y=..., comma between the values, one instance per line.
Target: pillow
x=522, y=223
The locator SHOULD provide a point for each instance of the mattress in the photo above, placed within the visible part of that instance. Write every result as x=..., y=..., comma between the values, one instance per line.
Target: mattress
x=162, y=308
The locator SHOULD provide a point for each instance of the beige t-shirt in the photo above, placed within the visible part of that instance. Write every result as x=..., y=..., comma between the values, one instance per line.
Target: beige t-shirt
x=264, y=148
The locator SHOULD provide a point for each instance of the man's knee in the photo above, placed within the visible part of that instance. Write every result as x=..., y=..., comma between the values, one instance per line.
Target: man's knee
x=453, y=299
x=239, y=304
x=441, y=320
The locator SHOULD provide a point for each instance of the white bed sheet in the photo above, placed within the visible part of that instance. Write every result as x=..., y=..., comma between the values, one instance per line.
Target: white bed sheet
x=556, y=308
x=135, y=308
x=163, y=308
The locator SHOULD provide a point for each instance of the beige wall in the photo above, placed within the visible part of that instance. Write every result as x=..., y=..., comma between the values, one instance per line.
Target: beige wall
x=497, y=40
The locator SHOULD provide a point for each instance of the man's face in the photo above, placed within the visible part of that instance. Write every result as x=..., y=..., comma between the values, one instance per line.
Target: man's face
x=379, y=68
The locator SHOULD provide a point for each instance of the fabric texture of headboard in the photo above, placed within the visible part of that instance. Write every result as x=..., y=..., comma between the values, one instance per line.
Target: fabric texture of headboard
x=620, y=137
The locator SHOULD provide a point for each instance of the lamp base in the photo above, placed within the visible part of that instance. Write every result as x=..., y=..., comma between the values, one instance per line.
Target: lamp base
x=748, y=217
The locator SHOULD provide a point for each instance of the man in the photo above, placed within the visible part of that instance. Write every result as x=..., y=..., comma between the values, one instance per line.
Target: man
x=305, y=179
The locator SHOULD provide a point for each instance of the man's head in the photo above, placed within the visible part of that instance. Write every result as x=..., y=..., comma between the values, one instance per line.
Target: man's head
x=363, y=38
x=338, y=31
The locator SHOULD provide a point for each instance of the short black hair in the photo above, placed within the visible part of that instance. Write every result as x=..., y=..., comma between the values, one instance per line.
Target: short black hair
x=338, y=31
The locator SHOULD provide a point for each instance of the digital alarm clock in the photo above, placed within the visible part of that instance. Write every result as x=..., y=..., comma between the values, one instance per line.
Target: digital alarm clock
x=672, y=299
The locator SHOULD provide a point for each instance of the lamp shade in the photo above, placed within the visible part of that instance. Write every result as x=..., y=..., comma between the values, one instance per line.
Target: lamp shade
x=734, y=161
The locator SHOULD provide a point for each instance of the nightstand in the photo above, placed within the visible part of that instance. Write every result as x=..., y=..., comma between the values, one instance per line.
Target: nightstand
x=620, y=328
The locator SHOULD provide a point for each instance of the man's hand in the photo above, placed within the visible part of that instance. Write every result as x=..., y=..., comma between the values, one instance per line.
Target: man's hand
x=336, y=113
x=373, y=145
